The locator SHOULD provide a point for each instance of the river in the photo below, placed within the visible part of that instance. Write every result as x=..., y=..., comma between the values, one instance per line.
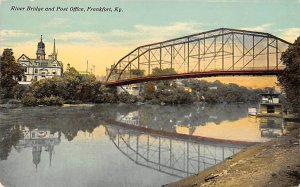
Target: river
x=121, y=144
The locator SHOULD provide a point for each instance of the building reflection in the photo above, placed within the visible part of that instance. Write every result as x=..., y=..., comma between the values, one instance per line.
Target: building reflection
x=131, y=118
x=271, y=127
x=39, y=140
x=186, y=122
x=171, y=153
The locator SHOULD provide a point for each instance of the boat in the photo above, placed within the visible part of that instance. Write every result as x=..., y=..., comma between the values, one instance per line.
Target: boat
x=252, y=111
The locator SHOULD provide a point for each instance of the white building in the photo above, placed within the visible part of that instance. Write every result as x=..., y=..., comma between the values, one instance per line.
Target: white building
x=40, y=67
x=132, y=89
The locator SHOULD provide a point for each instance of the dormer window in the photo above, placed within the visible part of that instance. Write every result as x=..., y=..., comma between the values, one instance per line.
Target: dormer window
x=43, y=74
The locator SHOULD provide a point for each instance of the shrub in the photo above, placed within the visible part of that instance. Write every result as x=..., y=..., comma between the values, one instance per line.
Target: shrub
x=29, y=100
x=20, y=91
x=72, y=102
x=125, y=97
x=51, y=101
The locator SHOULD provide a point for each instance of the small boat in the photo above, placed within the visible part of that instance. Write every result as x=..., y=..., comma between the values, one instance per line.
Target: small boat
x=252, y=111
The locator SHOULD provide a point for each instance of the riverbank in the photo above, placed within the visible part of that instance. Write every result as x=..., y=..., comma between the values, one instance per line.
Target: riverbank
x=273, y=163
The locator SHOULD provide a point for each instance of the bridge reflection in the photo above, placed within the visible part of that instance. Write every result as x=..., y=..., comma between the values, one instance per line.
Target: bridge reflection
x=174, y=154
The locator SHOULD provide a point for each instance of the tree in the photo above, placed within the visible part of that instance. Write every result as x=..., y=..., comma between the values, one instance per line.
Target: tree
x=10, y=73
x=138, y=72
x=157, y=71
x=149, y=90
x=290, y=78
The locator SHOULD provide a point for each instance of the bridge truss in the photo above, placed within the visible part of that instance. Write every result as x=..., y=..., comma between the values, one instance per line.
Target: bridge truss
x=217, y=52
x=175, y=156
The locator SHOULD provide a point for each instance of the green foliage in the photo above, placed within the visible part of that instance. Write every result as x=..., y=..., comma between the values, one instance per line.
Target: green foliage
x=46, y=87
x=149, y=90
x=137, y=72
x=29, y=100
x=10, y=73
x=174, y=95
x=217, y=92
x=51, y=101
x=290, y=78
x=125, y=97
x=158, y=71
x=105, y=95
x=20, y=90
x=72, y=88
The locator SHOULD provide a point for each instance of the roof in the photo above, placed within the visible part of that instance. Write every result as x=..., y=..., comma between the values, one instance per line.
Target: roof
x=44, y=63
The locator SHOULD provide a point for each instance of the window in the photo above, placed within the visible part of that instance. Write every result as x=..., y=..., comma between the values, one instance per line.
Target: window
x=35, y=78
x=43, y=74
x=25, y=70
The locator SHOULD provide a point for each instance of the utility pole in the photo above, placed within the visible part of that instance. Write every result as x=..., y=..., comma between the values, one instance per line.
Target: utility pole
x=87, y=66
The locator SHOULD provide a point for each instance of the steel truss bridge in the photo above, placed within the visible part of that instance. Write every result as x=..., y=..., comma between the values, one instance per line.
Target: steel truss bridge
x=220, y=52
x=176, y=155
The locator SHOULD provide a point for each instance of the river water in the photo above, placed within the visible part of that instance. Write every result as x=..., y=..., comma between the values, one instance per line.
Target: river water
x=120, y=144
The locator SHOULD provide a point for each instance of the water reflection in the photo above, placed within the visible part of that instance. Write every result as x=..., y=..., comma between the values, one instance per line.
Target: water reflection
x=215, y=121
x=169, y=118
x=9, y=137
x=37, y=139
x=163, y=138
x=174, y=155
x=197, y=120
x=271, y=127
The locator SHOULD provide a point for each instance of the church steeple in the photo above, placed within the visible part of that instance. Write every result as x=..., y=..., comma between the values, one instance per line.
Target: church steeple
x=54, y=53
x=40, y=52
x=36, y=154
x=54, y=47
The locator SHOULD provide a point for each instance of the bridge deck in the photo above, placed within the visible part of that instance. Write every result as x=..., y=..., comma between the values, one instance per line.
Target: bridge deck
x=256, y=72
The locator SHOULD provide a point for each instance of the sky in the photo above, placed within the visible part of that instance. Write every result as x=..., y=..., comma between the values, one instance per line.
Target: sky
x=102, y=38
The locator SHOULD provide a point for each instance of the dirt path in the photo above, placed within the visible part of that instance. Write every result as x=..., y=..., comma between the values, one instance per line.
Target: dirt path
x=274, y=163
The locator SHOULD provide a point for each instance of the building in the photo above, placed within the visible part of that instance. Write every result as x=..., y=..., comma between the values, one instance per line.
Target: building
x=40, y=67
x=270, y=105
x=132, y=89
x=180, y=84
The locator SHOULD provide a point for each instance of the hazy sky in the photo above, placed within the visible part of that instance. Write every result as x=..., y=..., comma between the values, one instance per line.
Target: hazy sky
x=103, y=38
